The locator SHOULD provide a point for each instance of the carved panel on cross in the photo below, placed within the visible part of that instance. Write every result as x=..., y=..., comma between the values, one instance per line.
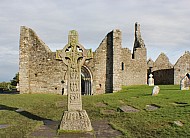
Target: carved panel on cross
x=74, y=98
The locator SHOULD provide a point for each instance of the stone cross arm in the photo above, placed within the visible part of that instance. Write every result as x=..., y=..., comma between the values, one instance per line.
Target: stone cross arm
x=89, y=54
x=74, y=51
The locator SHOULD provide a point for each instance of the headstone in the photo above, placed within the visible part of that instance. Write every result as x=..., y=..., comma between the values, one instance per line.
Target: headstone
x=178, y=123
x=151, y=80
x=185, y=82
x=155, y=90
x=74, y=56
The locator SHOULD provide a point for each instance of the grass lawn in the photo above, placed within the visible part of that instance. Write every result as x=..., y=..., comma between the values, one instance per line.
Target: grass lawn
x=174, y=106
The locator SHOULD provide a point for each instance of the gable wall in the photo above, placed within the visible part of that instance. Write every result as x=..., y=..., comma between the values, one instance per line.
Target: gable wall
x=40, y=70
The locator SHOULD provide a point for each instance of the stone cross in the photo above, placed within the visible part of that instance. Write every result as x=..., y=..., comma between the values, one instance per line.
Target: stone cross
x=74, y=56
x=151, y=80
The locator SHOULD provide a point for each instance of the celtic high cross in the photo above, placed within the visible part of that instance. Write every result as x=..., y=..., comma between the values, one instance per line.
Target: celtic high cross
x=74, y=56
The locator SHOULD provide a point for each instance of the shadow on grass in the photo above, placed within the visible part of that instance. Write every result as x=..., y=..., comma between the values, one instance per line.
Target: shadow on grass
x=170, y=89
x=27, y=114
x=146, y=94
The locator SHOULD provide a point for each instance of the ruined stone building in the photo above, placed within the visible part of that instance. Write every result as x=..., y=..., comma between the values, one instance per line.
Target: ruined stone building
x=166, y=73
x=42, y=71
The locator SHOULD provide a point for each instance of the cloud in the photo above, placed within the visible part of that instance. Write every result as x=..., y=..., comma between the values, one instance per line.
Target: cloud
x=164, y=25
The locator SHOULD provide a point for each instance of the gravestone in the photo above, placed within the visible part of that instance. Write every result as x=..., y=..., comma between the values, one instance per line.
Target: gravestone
x=178, y=123
x=74, y=56
x=185, y=82
x=151, y=80
x=128, y=109
x=155, y=90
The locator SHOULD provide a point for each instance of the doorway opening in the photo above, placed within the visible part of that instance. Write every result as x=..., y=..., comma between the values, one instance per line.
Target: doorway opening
x=86, y=81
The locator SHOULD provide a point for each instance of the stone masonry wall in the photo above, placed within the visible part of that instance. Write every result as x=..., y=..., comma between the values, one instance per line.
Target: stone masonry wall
x=162, y=71
x=107, y=59
x=117, y=60
x=111, y=67
x=107, y=73
x=24, y=60
x=40, y=71
x=99, y=77
x=182, y=67
x=141, y=70
x=109, y=63
x=162, y=62
x=126, y=66
x=134, y=71
x=165, y=73
x=137, y=70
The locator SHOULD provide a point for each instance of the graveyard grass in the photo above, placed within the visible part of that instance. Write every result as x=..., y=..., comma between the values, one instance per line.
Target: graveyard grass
x=174, y=106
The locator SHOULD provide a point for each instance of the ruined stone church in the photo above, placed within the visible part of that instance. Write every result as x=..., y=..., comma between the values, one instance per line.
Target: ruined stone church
x=110, y=66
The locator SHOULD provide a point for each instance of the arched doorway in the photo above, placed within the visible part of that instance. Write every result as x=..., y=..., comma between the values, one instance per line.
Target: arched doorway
x=86, y=81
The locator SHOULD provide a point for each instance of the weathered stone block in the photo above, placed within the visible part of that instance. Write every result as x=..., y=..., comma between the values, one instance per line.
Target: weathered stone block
x=155, y=90
x=75, y=121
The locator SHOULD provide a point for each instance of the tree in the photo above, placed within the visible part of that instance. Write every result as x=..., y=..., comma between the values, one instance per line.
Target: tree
x=4, y=86
x=15, y=80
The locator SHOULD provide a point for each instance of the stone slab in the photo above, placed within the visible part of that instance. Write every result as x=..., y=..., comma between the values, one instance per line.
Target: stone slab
x=108, y=112
x=128, y=109
x=4, y=126
x=152, y=107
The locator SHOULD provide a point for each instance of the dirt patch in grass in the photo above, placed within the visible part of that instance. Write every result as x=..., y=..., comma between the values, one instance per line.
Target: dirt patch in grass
x=108, y=112
x=100, y=104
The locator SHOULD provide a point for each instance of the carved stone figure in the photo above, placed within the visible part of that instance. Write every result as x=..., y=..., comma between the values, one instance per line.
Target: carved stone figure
x=74, y=55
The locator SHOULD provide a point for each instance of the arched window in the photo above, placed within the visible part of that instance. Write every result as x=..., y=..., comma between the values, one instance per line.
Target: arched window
x=122, y=66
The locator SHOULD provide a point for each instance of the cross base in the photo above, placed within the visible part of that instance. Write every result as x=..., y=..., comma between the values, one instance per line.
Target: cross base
x=75, y=121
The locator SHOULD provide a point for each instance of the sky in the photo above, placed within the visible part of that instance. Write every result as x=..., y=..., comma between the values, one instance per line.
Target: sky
x=164, y=25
